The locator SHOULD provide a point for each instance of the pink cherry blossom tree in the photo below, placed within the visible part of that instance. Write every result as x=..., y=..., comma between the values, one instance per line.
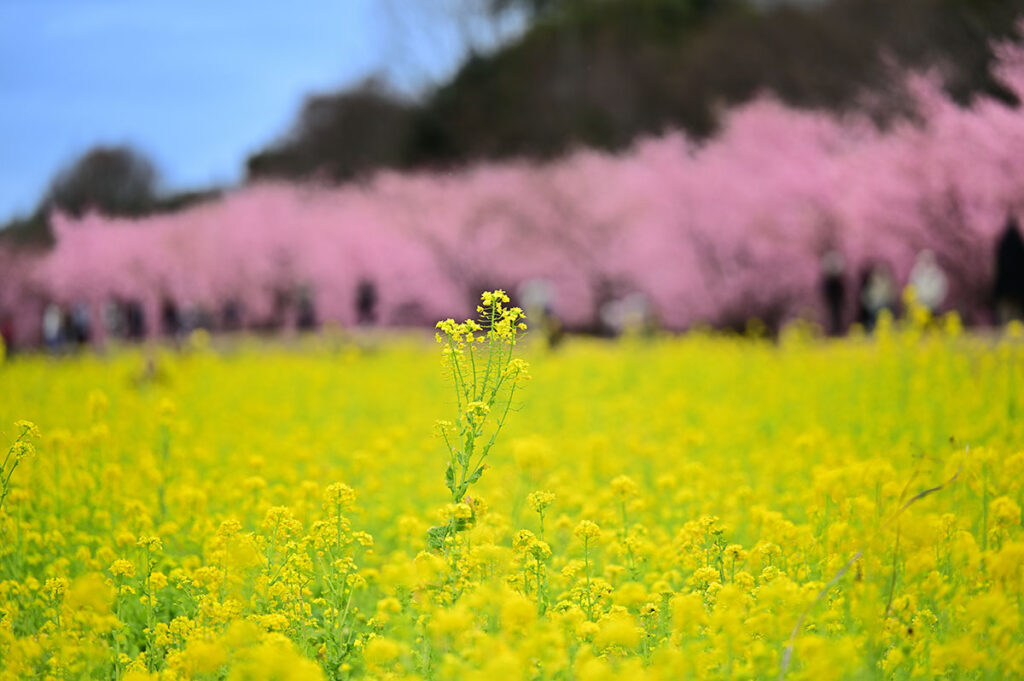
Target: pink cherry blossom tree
x=714, y=232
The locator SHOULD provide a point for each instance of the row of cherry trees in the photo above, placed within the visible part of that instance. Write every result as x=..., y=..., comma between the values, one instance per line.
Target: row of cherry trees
x=712, y=233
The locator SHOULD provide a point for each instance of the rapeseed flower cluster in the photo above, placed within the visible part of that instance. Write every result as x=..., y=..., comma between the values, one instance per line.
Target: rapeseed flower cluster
x=704, y=507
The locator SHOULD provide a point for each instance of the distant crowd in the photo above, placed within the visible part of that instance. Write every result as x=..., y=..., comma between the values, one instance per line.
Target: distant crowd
x=875, y=290
x=878, y=289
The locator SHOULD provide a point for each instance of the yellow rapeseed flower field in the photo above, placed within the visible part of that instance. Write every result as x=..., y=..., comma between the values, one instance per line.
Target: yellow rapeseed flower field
x=695, y=507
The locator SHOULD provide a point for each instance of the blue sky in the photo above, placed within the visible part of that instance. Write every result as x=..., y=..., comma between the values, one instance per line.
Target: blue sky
x=195, y=85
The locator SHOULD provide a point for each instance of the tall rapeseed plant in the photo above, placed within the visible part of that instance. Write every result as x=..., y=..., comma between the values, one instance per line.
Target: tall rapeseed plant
x=478, y=353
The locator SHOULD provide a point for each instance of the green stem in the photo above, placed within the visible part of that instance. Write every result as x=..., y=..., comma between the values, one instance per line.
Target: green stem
x=586, y=564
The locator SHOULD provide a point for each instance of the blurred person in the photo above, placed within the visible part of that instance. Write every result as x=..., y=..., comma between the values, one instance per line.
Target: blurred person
x=537, y=298
x=833, y=290
x=79, y=326
x=863, y=278
x=280, y=311
x=366, y=302
x=610, y=322
x=231, y=315
x=53, y=327
x=170, y=318
x=196, y=317
x=928, y=281
x=630, y=314
x=552, y=328
x=305, y=319
x=605, y=302
x=7, y=333
x=878, y=292
x=1009, y=281
x=134, y=320
x=113, y=319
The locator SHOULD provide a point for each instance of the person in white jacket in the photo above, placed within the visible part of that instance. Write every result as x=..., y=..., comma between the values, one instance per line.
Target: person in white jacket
x=929, y=281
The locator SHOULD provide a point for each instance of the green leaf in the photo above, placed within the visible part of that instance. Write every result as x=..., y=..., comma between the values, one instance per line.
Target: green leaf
x=436, y=536
x=449, y=477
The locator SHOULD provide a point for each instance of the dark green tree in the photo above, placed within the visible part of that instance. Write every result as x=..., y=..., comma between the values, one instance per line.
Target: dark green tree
x=111, y=180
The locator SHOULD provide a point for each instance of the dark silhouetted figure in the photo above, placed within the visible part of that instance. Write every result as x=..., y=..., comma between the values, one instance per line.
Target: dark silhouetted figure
x=79, y=324
x=366, y=302
x=554, y=332
x=604, y=301
x=196, y=317
x=305, y=314
x=862, y=283
x=170, y=319
x=1009, y=284
x=833, y=290
x=231, y=315
x=281, y=310
x=7, y=333
x=135, y=320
